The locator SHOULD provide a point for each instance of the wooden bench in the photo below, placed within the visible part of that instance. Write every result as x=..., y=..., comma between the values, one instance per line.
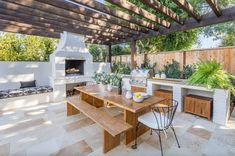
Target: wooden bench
x=112, y=126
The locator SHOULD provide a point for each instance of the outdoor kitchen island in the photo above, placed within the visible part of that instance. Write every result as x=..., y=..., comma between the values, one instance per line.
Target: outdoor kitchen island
x=180, y=88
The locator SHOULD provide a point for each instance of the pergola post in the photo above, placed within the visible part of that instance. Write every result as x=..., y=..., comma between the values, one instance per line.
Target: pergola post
x=110, y=54
x=133, y=54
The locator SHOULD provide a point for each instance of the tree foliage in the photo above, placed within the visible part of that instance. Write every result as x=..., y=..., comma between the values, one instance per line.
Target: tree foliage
x=175, y=41
x=186, y=39
x=16, y=47
x=121, y=50
x=98, y=52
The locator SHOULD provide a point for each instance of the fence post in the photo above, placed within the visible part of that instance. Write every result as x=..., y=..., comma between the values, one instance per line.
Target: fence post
x=184, y=58
x=110, y=54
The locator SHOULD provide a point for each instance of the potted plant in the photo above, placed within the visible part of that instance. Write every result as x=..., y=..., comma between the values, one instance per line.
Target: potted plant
x=158, y=74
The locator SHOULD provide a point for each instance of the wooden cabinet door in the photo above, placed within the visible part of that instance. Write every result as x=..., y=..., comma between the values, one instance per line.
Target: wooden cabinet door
x=137, y=89
x=200, y=106
x=165, y=94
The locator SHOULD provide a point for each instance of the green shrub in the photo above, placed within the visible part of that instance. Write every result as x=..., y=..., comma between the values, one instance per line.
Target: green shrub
x=172, y=70
x=147, y=65
x=121, y=68
x=188, y=71
x=233, y=95
x=103, y=78
x=211, y=74
x=114, y=79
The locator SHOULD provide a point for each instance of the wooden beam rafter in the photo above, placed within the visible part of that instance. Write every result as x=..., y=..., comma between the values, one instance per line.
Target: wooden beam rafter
x=207, y=20
x=69, y=14
x=139, y=11
x=116, y=13
x=155, y=4
x=71, y=6
x=186, y=6
x=8, y=15
x=215, y=7
x=23, y=29
x=33, y=15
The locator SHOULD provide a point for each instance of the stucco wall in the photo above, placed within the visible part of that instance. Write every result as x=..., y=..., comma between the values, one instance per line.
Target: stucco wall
x=101, y=67
x=11, y=73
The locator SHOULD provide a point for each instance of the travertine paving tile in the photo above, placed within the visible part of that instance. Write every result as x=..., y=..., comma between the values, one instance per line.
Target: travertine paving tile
x=80, y=148
x=23, y=125
x=78, y=124
x=200, y=131
x=46, y=130
x=5, y=149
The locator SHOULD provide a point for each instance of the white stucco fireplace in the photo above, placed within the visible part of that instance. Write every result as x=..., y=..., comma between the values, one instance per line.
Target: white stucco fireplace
x=71, y=63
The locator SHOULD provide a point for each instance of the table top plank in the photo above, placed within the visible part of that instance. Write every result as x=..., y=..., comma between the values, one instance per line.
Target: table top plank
x=100, y=92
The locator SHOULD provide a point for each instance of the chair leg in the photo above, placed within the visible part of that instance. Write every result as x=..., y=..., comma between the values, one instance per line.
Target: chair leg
x=151, y=131
x=160, y=140
x=136, y=135
x=175, y=135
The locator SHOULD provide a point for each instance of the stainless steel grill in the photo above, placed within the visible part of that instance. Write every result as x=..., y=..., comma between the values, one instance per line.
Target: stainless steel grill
x=139, y=77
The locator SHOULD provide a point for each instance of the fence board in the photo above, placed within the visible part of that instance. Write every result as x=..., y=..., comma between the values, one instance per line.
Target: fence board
x=226, y=56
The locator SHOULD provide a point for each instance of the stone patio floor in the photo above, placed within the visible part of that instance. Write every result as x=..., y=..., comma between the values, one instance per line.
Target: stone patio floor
x=46, y=130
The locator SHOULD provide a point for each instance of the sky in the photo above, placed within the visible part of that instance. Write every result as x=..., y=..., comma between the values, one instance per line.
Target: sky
x=208, y=42
x=205, y=42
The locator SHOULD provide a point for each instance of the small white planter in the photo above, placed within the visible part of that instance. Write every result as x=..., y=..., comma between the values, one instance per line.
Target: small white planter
x=163, y=76
x=157, y=76
x=109, y=87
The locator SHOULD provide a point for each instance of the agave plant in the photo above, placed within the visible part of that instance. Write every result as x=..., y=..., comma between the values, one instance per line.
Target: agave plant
x=115, y=79
x=172, y=70
x=211, y=74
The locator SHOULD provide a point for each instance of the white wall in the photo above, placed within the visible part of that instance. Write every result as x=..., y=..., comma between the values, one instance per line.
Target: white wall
x=101, y=67
x=11, y=73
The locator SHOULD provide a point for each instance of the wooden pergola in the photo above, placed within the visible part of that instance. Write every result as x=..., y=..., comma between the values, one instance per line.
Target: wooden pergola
x=102, y=24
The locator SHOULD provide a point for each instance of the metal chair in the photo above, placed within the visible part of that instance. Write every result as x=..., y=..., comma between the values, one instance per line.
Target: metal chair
x=159, y=119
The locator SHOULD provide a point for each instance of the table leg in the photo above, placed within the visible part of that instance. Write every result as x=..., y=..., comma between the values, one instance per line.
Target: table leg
x=132, y=119
x=71, y=110
x=110, y=142
x=92, y=100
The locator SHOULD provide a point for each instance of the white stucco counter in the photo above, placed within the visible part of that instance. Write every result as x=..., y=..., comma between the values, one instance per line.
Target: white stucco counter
x=180, y=88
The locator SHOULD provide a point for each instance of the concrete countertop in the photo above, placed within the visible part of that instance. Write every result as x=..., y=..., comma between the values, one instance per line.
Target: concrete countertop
x=179, y=82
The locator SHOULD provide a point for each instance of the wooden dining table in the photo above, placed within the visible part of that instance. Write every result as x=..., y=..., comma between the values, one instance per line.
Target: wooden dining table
x=98, y=96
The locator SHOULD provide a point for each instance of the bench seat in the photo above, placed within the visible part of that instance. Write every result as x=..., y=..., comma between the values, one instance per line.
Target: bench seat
x=112, y=126
x=11, y=93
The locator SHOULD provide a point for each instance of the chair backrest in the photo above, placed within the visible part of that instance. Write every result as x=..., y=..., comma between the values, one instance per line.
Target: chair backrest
x=164, y=114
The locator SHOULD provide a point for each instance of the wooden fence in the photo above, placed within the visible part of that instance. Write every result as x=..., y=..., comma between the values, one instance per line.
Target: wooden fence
x=226, y=56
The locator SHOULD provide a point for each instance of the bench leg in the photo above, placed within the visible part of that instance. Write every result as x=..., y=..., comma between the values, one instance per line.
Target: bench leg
x=71, y=110
x=110, y=142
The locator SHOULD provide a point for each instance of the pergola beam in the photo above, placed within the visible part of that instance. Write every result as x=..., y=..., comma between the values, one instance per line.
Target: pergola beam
x=9, y=15
x=23, y=29
x=33, y=15
x=215, y=7
x=116, y=13
x=139, y=11
x=70, y=6
x=155, y=4
x=186, y=6
x=68, y=14
x=207, y=20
